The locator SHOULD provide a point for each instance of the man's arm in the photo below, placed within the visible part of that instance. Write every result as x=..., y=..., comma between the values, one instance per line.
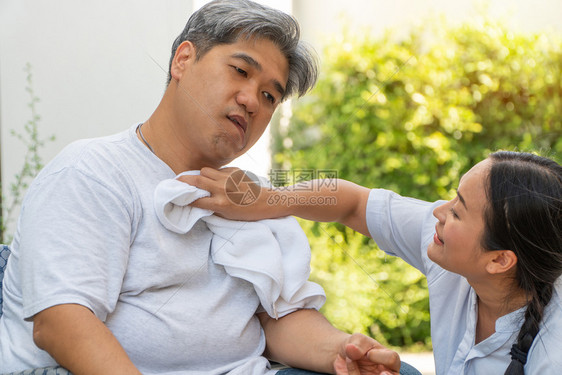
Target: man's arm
x=305, y=339
x=80, y=342
x=339, y=200
x=289, y=341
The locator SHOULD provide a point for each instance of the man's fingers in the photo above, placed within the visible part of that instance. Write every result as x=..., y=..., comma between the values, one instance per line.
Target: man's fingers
x=386, y=357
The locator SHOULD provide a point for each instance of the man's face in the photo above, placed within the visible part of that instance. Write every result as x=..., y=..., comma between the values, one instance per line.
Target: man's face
x=225, y=100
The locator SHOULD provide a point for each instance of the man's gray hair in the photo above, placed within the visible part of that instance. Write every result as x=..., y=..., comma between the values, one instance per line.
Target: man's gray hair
x=226, y=21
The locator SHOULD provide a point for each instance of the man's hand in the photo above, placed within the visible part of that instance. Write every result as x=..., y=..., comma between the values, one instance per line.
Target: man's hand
x=362, y=355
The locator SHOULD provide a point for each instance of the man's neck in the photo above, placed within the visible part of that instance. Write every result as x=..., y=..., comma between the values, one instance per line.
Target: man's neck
x=174, y=149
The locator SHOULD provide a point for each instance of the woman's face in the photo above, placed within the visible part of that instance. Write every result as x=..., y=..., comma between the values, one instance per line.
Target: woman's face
x=456, y=244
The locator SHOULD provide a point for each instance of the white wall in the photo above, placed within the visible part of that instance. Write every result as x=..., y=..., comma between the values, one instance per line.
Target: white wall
x=321, y=18
x=98, y=67
x=92, y=64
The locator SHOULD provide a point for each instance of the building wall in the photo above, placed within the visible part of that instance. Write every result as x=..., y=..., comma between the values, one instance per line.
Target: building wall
x=98, y=67
x=321, y=18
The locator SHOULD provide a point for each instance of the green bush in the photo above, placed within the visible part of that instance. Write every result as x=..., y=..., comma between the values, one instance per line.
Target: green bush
x=413, y=116
x=31, y=164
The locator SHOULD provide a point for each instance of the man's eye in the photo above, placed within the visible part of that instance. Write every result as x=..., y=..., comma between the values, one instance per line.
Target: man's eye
x=269, y=97
x=241, y=71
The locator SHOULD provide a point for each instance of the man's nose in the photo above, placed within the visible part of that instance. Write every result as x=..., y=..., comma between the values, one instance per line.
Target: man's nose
x=249, y=98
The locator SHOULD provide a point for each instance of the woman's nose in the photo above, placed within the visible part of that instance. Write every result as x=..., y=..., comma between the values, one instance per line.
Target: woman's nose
x=440, y=212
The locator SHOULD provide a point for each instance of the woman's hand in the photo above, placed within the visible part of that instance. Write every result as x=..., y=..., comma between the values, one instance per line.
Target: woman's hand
x=234, y=194
x=362, y=355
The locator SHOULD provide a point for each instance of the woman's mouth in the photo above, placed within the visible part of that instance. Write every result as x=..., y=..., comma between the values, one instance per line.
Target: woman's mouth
x=437, y=240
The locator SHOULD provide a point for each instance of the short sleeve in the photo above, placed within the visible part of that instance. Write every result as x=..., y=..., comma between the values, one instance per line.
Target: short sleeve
x=400, y=226
x=75, y=235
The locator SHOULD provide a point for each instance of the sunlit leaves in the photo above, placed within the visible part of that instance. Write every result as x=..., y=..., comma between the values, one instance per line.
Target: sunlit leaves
x=413, y=116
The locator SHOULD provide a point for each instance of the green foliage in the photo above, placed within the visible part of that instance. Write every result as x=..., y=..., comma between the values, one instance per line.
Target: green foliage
x=32, y=162
x=413, y=116
x=367, y=290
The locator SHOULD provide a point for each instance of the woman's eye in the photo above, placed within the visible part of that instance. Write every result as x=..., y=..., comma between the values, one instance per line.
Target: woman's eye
x=454, y=213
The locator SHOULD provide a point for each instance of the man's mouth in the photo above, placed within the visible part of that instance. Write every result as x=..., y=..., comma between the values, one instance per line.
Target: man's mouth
x=239, y=121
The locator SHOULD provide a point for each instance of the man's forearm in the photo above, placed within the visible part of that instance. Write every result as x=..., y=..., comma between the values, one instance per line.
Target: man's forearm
x=303, y=339
x=80, y=342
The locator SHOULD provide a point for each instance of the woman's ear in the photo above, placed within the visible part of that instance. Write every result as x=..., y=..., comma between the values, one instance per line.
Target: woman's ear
x=185, y=53
x=501, y=261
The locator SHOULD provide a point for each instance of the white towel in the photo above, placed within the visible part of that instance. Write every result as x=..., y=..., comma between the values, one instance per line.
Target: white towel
x=273, y=255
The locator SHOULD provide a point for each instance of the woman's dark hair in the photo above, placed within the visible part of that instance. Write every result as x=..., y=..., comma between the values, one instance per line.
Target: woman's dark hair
x=524, y=215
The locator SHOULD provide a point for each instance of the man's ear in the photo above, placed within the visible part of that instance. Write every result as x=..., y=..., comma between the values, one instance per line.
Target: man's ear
x=185, y=53
x=501, y=261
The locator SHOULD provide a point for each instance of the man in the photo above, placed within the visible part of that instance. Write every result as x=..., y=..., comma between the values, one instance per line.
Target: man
x=102, y=288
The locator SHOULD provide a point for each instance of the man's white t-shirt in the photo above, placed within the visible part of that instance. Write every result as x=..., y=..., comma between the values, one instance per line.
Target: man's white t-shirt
x=88, y=235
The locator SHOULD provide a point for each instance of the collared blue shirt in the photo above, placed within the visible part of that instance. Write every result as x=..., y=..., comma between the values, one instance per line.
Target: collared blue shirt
x=404, y=227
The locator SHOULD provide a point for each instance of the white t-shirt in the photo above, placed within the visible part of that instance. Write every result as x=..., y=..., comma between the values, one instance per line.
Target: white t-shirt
x=88, y=235
x=404, y=227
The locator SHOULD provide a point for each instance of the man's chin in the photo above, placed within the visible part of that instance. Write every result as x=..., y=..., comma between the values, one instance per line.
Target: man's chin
x=226, y=150
x=237, y=152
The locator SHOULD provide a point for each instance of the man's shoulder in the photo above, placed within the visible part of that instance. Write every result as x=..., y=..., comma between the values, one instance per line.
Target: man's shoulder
x=101, y=153
x=94, y=147
x=104, y=159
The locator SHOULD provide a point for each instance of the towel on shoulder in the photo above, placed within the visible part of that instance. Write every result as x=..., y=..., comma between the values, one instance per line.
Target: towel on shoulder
x=273, y=254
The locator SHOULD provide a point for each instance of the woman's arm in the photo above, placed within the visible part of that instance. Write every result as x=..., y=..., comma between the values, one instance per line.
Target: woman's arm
x=319, y=200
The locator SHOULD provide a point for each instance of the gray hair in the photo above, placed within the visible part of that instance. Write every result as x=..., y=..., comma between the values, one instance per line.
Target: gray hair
x=226, y=21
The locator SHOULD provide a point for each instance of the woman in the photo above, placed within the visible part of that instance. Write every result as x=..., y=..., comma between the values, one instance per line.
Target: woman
x=492, y=255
